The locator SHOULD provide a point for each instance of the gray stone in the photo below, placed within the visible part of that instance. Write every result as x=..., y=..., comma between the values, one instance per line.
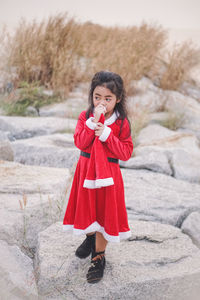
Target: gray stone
x=154, y=161
x=6, y=151
x=31, y=199
x=190, y=90
x=157, y=262
x=186, y=165
x=31, y=111
x=147, y=96
x=181, y=149
x=191, y=227
x=158, y=117
x=158, y=197
x=27, y=127
x=71, y=107
x=56, y=150
x=187, y=106
x=17, y=278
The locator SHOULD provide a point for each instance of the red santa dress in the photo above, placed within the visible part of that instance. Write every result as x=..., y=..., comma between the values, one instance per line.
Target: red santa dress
x=93, y=207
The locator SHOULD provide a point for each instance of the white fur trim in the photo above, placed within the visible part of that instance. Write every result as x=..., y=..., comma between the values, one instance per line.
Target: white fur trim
x=97, y=227
x=91, y=124
x=112, y=118
x=98, y=183
x=105, y=134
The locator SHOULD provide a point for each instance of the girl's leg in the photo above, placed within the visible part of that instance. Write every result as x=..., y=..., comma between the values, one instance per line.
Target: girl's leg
x=101, y=242
x=95, y=272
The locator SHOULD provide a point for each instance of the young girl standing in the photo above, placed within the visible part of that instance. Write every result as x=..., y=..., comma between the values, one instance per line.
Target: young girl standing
x=96, y=205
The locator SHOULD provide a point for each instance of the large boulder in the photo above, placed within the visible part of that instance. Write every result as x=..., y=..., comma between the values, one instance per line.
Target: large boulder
x=70, y=108
x=6, y=151
x=158, y=197
x=31, y=199
x=56, y=150
x=17, y=276
x=181, y=151
x=158, y=260
x=189, y=107
x=191, y=227
x=154, y=161
x=27, y=127
x=147, y=96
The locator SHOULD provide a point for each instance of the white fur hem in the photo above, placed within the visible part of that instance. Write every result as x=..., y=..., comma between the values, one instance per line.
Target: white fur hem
x=91, y=124
x=105, y=134
x=97, y=227
x=98, y=183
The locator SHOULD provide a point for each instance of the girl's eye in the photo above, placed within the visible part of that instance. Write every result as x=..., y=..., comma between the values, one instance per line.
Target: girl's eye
x=108, y=99
x=97, y=98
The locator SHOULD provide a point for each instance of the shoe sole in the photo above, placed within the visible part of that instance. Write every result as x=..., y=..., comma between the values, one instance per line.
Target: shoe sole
x=82, y=256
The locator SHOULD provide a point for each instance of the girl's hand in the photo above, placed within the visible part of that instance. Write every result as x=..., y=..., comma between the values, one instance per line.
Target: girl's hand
x=99, y=129
x=99, y=109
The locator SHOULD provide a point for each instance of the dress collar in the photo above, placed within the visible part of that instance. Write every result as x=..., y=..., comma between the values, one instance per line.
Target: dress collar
x=112, y=118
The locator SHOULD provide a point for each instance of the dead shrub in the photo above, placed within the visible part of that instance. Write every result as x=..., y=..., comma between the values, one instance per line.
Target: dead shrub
x=178, y=65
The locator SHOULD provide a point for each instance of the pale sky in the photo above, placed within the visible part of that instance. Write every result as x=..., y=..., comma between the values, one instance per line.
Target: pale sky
x=169, y=13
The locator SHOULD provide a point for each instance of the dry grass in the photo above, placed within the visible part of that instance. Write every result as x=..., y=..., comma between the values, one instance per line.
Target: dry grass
x=46, y=52
x=179, y=63
x=130, y=51
x=60, y=52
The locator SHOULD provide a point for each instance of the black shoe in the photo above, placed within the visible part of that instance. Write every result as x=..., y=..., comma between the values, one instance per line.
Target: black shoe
x=95, y=272
x=86, y=247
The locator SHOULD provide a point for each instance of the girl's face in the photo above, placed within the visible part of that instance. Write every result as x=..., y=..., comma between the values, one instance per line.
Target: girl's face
x=102, y=95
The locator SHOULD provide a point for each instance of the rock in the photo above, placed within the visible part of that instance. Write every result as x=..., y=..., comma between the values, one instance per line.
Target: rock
x=70, y=108
x=158, y=197
x=31, y=111
x=56, y=150
x=190, y=90
x=187, y=106
x=154, y=161
x=49, y=93
x=191, y=227
x=147, y=96
x=157, y=260
x=6, y=151
x=158, y=117
x=182, y=151
x=27, y=127
x=17, y=275
x=31, y=199
x=186, y=166
x=156, y=135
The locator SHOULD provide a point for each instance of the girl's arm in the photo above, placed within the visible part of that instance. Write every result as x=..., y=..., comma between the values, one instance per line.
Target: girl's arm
x=84, y=132
x=121, y=147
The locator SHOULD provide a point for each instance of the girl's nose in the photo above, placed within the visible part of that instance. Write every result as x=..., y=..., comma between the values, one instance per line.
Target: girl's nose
x=103, y=102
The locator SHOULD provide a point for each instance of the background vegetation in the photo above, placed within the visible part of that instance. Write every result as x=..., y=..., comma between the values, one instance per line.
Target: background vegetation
x=59, y=53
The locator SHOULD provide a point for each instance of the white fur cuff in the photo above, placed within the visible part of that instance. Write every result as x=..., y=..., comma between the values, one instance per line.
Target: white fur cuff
x=105, y=134
x=91, y=124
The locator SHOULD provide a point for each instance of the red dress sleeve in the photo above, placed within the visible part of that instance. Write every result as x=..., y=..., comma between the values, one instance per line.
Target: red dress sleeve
x=83, y=135
x=122, y=146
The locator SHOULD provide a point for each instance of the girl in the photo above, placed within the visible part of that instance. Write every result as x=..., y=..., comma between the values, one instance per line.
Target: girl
x=96, y=206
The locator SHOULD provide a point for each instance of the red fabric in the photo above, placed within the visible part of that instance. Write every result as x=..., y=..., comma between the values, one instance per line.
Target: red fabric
x=98, y=172
x=106, y=205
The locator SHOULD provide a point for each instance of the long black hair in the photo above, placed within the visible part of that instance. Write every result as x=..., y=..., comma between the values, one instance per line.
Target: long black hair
x=114, y=83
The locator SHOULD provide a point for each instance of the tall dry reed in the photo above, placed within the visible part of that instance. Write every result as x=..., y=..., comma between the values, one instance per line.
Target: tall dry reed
x=179, y=62
x=60, y=52
x=46, y=52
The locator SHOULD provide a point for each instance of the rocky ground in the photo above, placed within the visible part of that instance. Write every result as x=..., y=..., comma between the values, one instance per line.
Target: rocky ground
x=162, y=186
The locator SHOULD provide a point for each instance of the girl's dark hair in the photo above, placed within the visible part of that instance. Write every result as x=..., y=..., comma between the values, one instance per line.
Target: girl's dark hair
x=114, y=83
